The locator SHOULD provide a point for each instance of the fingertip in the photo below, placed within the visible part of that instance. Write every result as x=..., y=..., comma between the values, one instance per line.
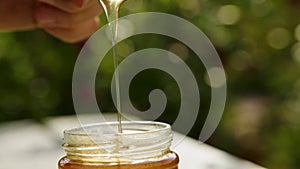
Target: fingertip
x=79, y=3
x=75, y=34
x=61, y=34
x=96, y=22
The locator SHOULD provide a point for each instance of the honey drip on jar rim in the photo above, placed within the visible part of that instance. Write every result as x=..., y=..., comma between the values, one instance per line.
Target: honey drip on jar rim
x=112, y=14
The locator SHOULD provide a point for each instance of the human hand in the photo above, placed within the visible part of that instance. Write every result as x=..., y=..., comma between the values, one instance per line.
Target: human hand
x=68, y=20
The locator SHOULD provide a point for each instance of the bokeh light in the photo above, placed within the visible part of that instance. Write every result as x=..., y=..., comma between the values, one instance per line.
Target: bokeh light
x=229, y=14
x=214, y=77
x=279, y=38
x=180, y=50
x=261, y=8
x=296, y=52
x=297, y=32
x=192, y=5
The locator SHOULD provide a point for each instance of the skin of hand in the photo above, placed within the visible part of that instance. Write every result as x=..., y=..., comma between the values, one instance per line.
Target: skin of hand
x=68, y=20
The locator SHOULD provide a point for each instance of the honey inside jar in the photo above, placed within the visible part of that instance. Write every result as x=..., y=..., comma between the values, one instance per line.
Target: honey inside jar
x=142, y=145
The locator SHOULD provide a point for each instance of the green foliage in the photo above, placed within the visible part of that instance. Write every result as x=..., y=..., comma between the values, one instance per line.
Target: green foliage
x=258, y=41
x=35, y=75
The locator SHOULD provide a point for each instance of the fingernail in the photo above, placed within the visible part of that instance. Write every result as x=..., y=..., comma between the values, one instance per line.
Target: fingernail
x=79, y=3
x=44, y=17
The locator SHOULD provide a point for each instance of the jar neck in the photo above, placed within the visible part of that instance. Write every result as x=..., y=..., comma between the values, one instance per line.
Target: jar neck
x=102, y=143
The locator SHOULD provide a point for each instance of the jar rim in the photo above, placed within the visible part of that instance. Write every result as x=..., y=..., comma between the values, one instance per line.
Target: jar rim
x=160, y=126
x=96, y=142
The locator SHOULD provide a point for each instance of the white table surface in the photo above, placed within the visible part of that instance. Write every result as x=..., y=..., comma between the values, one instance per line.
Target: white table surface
x=28, y=145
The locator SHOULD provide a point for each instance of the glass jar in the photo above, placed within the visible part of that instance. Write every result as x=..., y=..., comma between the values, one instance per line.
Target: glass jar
x=142, y=145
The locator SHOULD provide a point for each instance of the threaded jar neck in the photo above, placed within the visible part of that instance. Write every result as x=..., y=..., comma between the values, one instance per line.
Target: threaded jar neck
x=101, y=142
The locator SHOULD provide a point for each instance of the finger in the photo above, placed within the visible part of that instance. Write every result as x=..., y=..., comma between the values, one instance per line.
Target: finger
x=75, y=34
x=48, y=16
x=72, y=6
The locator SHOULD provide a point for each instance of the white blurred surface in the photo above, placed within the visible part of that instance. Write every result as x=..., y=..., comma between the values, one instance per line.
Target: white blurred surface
x=27, y=145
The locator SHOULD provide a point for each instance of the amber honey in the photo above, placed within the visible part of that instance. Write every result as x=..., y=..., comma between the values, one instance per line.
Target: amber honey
x=142, y=145
x=170, y=162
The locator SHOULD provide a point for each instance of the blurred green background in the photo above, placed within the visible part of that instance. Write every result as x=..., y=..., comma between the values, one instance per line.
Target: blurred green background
x=259, y=44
